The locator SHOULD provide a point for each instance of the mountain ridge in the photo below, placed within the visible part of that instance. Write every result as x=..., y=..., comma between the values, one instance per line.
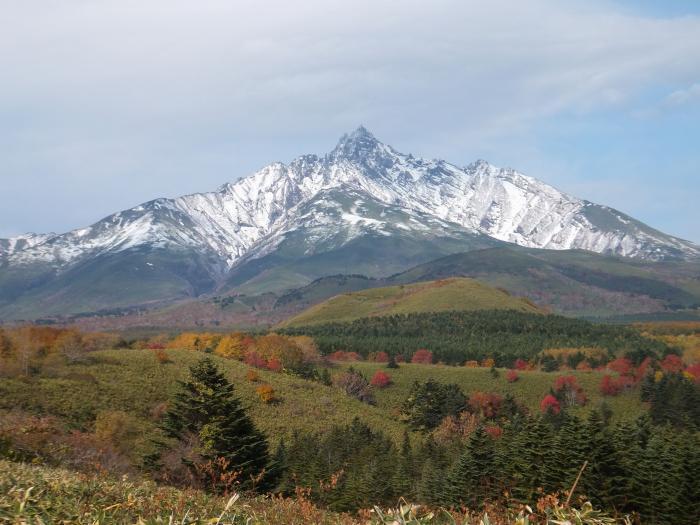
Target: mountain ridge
x=363, y=191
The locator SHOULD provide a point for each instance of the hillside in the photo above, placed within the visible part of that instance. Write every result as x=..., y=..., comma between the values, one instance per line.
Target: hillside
x=573, y=282
x=134, y=381
x=457, y=294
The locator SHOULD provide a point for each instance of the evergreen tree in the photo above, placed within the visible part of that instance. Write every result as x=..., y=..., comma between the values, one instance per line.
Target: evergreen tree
x=392, y=362
x=405, y=472
x=471, y=478
x=207, y=413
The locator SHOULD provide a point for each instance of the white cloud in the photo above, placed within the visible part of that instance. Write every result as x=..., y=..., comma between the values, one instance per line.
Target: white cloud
x=683, y=96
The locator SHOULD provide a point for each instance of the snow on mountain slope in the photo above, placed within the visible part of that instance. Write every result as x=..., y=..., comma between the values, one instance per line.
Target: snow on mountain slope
x=250, y=217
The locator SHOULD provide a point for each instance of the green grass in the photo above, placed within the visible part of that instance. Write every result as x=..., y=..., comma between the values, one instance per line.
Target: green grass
x=133, y=381
x=528, y=390
x=459, y=294
x=33, y=495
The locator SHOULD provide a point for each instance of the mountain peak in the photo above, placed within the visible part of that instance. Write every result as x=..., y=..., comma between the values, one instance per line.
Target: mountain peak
x=356, y=144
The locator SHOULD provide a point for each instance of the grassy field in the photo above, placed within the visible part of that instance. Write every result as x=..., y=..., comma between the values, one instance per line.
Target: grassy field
x=529, y=389
x=33, y=494
x=134, y=381
x=459, y=294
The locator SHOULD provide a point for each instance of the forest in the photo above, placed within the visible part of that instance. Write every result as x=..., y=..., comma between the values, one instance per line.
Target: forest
x=454, y=337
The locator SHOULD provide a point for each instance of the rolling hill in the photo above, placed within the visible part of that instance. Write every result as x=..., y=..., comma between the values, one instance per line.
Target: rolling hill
x=458, y=294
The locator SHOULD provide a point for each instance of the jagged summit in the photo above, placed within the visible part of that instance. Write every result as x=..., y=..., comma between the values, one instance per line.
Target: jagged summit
x=356, y=145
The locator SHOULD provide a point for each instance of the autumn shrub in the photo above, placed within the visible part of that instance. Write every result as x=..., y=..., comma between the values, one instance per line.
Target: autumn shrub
x=340, y=355
x=568, y=391
x=274, y=365
x=378, y=357
x=584, y=366
x=253, y=358
x=422, y=356
x=489, y=362
x=252, y=376
x=694, y=372
x=485, y=404
x=161, y=356
x=232, y=346
x=471, y=364
x=550, y=404
x=621, y=366
x=266, y=393
x=494, y=431
x=613, y=385
x=512, y=376
x=455, y=429
x=520, y=364
x=671, y=363
x=380, y=379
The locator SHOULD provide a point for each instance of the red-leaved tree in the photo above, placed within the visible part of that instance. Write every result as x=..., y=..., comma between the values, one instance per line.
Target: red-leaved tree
x=380, y=379
x=520, y=364
x=422, y=356
x=550, y=404
x=512, y=376
x=672, y=363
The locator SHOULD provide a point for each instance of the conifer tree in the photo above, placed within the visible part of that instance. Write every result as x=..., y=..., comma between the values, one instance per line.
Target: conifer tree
x=470, y=480
x=206, y=412
x=405, y=473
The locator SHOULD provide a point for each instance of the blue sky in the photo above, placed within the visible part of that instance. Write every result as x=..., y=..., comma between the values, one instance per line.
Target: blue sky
x=106, y=104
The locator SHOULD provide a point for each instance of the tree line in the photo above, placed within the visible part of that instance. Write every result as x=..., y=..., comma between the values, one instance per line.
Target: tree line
x=454, y=337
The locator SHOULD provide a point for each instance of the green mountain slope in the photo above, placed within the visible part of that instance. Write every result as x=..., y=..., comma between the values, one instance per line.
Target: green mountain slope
x=432, y=296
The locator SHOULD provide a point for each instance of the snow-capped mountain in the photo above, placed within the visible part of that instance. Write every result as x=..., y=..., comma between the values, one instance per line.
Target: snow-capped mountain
x=361, y=189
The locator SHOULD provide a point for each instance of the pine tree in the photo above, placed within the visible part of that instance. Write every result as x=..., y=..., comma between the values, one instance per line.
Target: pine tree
x=206, y=411
x=471, y=478
x=404, y=473
x=392, y=362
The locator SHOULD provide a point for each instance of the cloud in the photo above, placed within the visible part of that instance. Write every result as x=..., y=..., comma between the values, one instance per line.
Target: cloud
x=109, y=102
x=683, y=96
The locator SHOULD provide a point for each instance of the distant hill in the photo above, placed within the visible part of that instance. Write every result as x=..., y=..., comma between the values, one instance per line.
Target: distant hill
x=459, y=294
x=569, y=282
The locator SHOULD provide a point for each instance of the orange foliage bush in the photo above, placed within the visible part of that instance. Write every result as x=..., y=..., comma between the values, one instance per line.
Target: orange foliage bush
x=471, y=364
x=266, y=393
x=378, y=357
x=485, y=404
x=252, y=376
x=340, y=355
x=161, y=356
x=488, y=362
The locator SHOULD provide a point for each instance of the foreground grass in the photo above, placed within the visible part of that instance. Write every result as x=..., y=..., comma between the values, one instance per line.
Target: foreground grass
x=529, y=389
x=40, y=495
x=32, y=494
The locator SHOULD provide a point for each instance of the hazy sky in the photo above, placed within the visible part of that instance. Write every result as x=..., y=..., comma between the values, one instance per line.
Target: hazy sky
x=106, y=104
